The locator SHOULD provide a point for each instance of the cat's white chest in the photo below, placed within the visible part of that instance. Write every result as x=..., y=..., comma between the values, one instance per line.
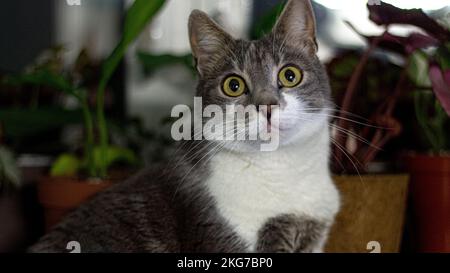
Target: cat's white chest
x=249, y=190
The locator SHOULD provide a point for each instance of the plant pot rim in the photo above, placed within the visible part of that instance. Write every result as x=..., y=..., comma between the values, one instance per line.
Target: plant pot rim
x=416, y=155
x=115, y=176
x=378, y=175
x=445, y=159
x=74, y=179
x=67, y=192
x=424, y=163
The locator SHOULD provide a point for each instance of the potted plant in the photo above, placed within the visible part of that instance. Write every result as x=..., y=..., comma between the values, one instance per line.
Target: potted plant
x=426, y=70
x=373, y=199
x=74, y=178
x=427, y=58
x=430, y=168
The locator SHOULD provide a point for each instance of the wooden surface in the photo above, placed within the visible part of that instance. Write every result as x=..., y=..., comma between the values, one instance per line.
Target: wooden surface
x=372, y=209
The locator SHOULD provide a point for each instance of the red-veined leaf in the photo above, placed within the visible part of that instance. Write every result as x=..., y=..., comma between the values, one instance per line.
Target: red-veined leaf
x=441, y=87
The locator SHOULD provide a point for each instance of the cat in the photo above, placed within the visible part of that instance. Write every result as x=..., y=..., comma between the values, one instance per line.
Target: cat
x=228, y=196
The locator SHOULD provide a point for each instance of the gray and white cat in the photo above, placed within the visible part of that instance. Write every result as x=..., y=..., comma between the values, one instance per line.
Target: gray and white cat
x=236, y=198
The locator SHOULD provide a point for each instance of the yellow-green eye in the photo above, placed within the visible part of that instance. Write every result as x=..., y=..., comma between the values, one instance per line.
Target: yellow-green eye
x=290, y=76
x=234, y=86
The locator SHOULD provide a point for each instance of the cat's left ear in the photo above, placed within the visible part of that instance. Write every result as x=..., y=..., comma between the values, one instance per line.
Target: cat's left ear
x=297, y=25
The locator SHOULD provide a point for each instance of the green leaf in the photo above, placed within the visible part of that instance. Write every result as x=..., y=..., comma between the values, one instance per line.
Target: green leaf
x=443, y=57
x=43, y=77
x=138, y=15
x=65, y=165
x=116, y=155
x=345, y=67
x=25, y=123
x=9, y=173
x=267, y=22
x=418, y=68
x=152, y=62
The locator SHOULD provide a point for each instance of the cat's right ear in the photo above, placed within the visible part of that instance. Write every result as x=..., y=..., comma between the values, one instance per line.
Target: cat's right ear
x=209, y=42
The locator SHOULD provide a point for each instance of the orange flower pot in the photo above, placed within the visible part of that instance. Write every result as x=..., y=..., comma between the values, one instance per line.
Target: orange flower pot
x=430, y=193
x=59, y=196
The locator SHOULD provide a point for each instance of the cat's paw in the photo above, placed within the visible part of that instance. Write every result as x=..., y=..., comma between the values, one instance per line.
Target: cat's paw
x=290, y=234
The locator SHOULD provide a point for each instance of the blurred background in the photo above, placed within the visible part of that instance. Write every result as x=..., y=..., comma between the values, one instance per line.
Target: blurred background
x=52, y=63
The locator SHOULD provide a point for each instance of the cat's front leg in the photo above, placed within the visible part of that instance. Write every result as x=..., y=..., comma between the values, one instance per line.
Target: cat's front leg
x=291, y=234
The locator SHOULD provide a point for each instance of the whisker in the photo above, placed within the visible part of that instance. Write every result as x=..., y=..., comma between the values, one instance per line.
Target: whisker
x=193, y=166
x=349, y=120
x=336, y=110
x=348, y=157
x=354, y=135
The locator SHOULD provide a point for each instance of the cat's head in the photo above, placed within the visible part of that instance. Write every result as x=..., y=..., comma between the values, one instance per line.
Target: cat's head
x=281, y=69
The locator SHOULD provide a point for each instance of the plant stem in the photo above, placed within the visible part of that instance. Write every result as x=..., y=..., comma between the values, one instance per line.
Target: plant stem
x=349, y=94
x=391, y=127
x=89, y=146
x=102, y=127
x=137, y=17
x=108, y=70
x=421, y=118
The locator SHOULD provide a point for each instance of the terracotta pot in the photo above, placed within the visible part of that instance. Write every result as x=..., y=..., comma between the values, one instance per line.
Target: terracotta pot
x=59, y=196
x=430, y=196
x=372, y=214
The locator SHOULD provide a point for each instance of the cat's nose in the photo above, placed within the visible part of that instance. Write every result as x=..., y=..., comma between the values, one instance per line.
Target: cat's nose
x=268, y=102
x=265, y=98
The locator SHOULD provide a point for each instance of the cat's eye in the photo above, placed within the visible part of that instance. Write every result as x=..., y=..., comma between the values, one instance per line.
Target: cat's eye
x=290, y=76
x=234, y=86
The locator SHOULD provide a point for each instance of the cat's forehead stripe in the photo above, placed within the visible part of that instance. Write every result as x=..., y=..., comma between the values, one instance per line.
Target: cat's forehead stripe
x=256, y=61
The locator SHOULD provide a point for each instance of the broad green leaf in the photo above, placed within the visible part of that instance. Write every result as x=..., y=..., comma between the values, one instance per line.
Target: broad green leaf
x=65, y=165
x=138, y=15
x=418, y=68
